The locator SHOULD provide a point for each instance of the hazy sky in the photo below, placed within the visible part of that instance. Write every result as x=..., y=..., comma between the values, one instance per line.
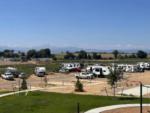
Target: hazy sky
x=101, y=24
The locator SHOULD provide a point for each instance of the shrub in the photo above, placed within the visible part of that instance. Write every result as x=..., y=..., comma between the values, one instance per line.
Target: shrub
x=24, y=85
x=79, y=86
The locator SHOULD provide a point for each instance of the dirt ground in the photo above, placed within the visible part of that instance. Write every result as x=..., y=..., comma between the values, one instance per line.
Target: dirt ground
x=132, y=110
x=64, y=83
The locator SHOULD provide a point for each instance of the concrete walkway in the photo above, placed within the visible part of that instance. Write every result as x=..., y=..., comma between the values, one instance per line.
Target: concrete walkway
x=102, y=109
x=136, y=91
x=17, y=92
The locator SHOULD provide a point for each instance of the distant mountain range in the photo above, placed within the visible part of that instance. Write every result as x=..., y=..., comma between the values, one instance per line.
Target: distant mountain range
x=70, y=49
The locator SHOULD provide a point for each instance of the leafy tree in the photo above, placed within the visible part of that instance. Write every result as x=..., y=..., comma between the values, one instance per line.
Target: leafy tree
x=8, y=53
x=32, y=54
x=44, y=53
x=69, y=56
x=96, y=56
x=115, y=53
x=89, y=56
x=141, y=54
x=114, y=77
x=82, y=54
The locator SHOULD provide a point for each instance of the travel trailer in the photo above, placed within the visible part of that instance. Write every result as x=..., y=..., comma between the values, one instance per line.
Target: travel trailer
x=70, y=67
x=98, y=70
x=40, y=71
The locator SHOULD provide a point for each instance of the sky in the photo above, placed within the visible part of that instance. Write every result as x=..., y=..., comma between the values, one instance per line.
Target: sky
x=98, y=24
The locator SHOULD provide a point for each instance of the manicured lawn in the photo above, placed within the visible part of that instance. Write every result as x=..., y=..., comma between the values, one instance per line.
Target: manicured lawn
x=41, y=102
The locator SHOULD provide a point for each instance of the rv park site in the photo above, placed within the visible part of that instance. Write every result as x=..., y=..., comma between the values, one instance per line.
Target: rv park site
x=51, y=82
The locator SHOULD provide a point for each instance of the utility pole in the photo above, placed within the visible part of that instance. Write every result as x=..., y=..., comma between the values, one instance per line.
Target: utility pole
x=78, y=107
x=141, y=98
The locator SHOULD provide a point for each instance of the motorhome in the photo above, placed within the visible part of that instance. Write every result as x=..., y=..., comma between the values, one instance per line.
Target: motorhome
x=40, y=71
x=144, y=65
x=98, y=70
x=70, y=67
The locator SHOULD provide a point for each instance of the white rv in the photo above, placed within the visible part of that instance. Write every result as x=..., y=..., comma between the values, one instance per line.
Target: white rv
x=144, y=65
x=122, y=67
x=40, y=71
x=98, y=70
x=70, y=67
x=131, y=68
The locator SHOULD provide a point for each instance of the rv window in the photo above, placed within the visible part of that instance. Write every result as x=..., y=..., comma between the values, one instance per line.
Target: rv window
x=97, y=69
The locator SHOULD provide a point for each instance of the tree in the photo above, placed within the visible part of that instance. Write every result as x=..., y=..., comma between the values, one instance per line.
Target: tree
x=44, y=53
x=69, y=56
x=8, y=53
x=82, y=54
x=31, y=54
x=96, y=56
x=89, y=56
x=114, y=77
x=141, y=54
x=115, y=53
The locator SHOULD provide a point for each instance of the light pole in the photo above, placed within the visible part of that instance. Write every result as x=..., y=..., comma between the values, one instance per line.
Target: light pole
x=141, y=98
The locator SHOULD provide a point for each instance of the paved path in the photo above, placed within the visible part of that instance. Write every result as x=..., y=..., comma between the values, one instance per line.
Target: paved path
x=102, y=109
x=136, y=91
x=17, y=92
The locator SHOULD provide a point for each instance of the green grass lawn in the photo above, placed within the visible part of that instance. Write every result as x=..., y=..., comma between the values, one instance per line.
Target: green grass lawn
x=41, y=102
x=29, y=68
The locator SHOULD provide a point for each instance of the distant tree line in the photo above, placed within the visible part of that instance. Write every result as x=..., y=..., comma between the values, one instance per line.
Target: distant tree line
x=46, y=53
x=42, y=53
x=140, y=54
x=81, y=55
x=95, y=56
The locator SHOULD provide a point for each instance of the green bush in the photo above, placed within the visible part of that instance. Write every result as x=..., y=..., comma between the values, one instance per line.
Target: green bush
x=24, y=84
x=79, y=86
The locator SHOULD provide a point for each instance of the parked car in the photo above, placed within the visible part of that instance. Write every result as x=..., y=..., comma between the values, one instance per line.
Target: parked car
x=13, y=71
x=22, y=75
x=84, y=75
x=7, y=76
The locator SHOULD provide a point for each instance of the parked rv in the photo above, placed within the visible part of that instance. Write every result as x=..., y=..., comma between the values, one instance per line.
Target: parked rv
x=98, y=70
x=131, y=68
x=40, y=71
x=70, y=67
x=144, y=65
